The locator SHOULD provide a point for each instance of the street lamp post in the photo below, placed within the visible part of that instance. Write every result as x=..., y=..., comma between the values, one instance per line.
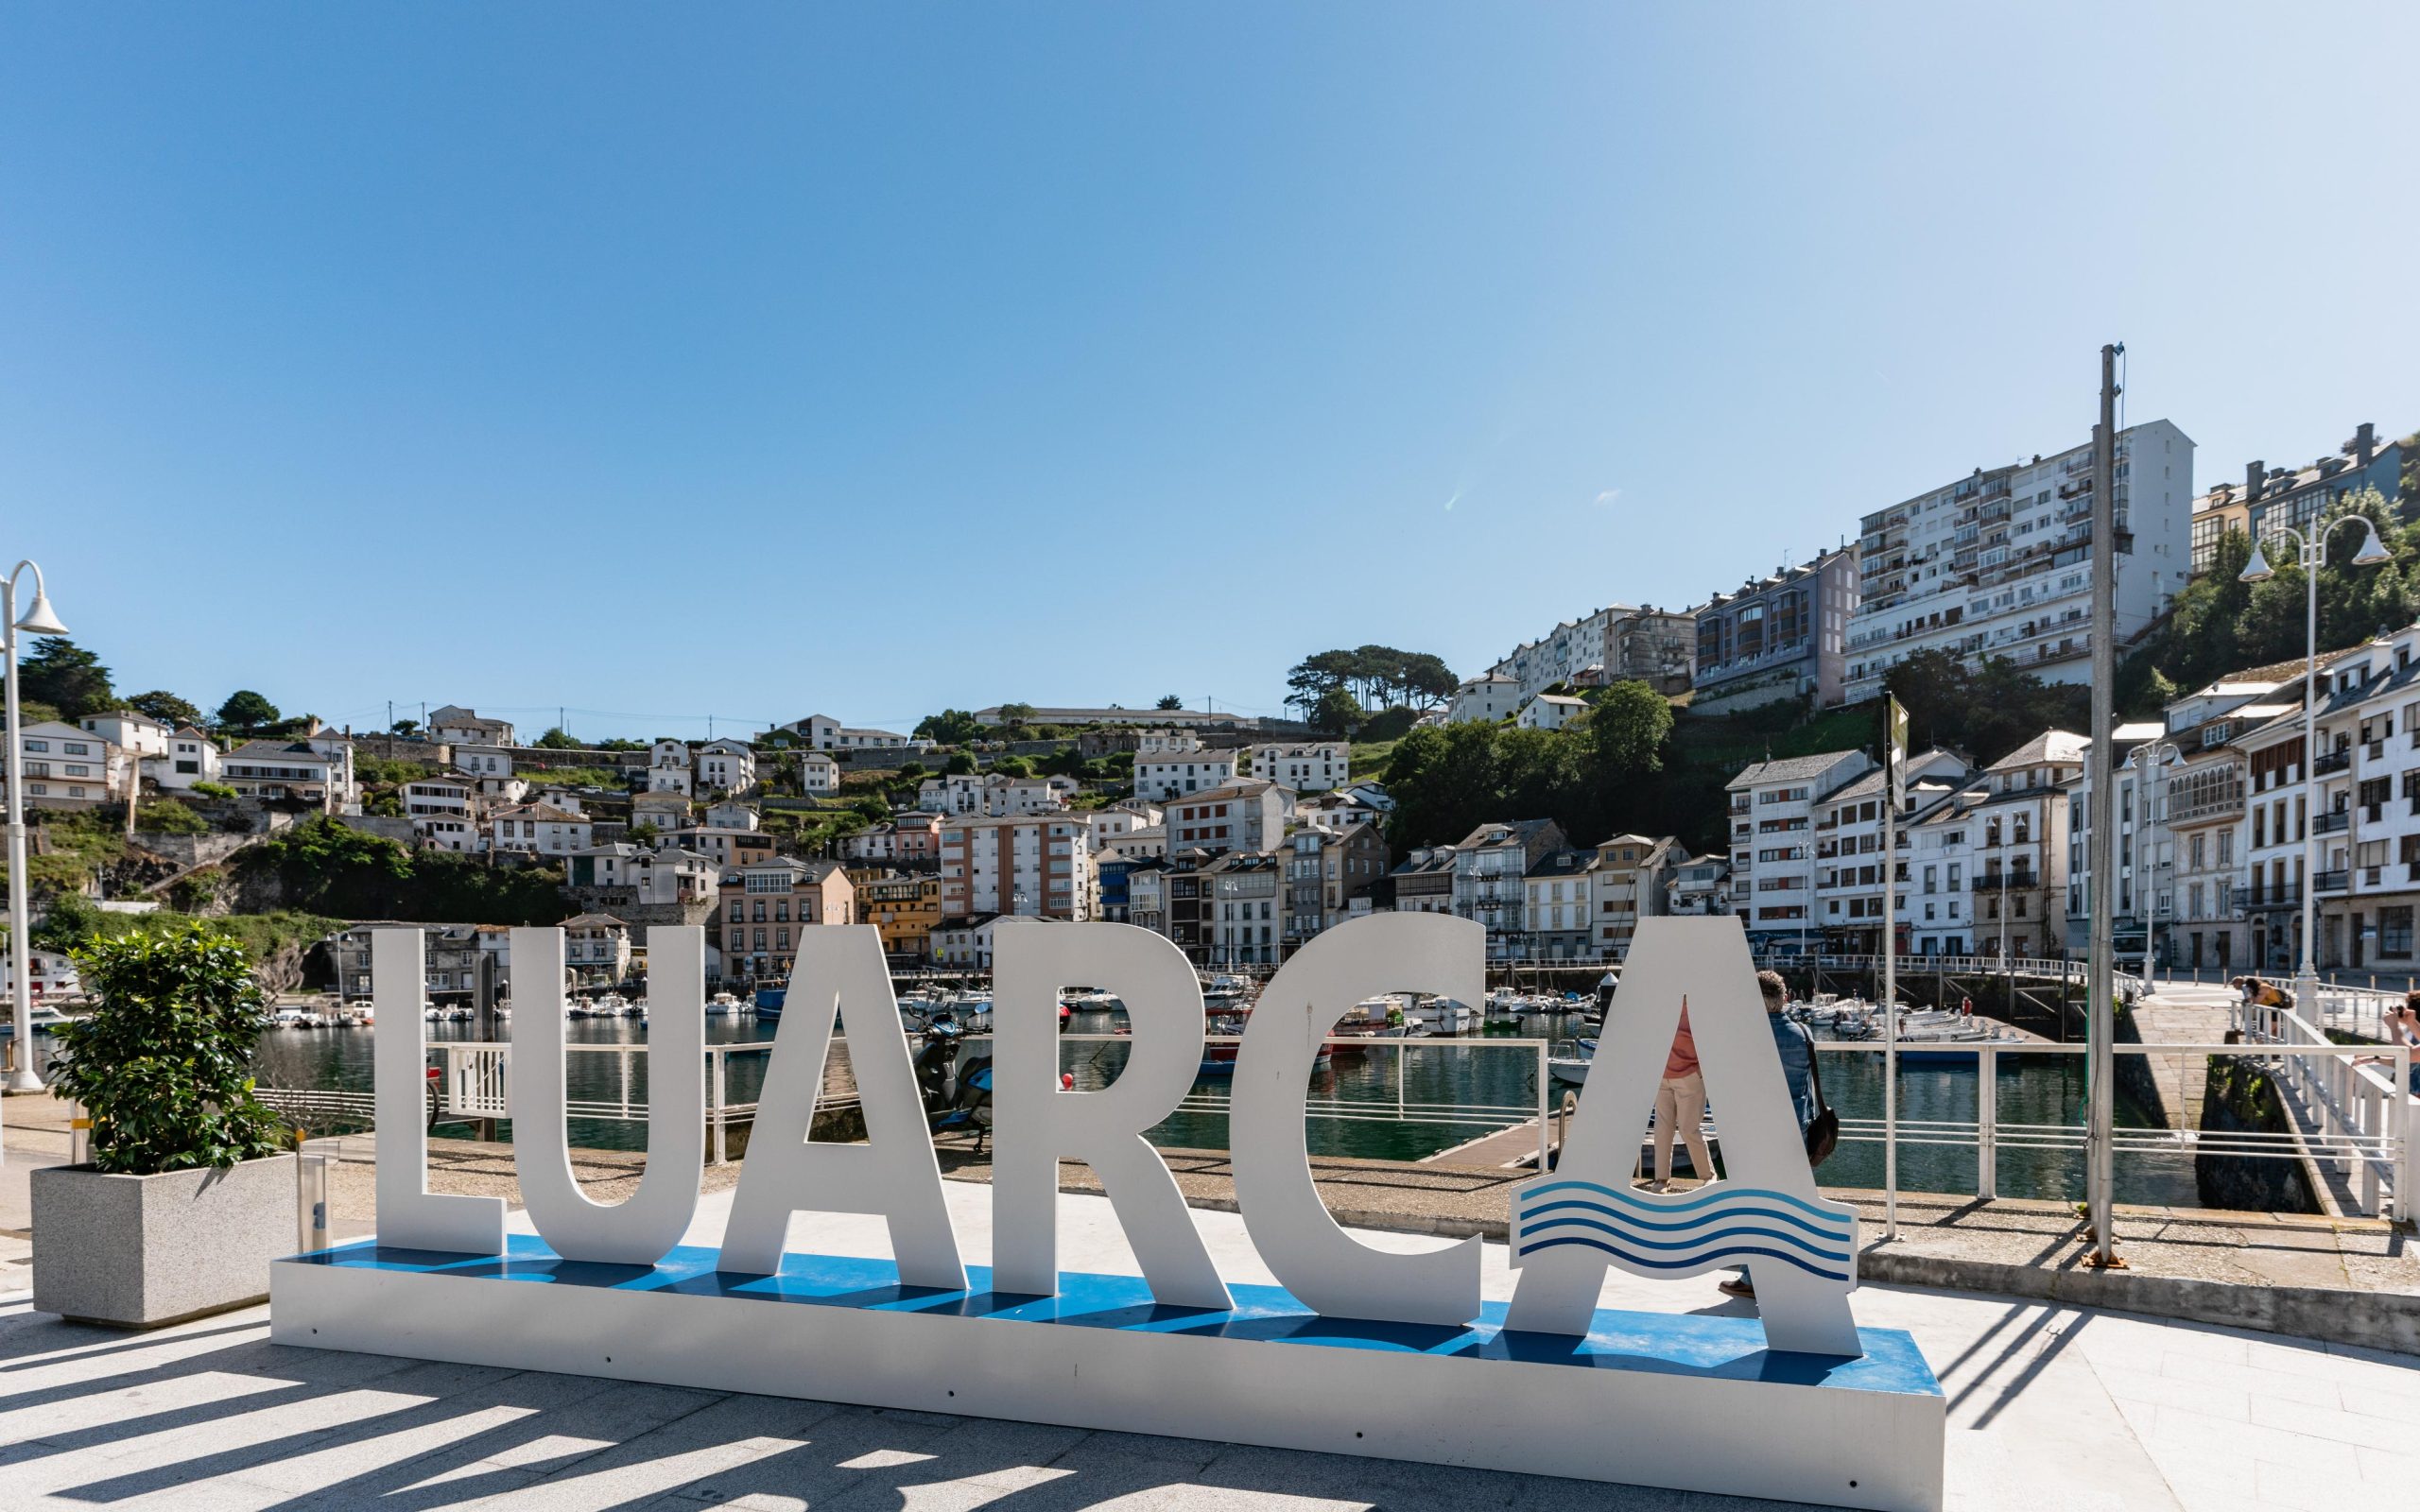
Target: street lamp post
x=2311, y=551
x=39, y=620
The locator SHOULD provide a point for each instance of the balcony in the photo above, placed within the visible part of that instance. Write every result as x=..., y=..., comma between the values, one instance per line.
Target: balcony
x=2333, y=823
x=2337, y=881
x=2333, y=760
x=2284, y=895
x=2007, y=881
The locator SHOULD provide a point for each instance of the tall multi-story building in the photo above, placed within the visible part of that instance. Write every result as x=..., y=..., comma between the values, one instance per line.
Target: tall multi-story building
x=1039, y=864
x=1173, y=774
x=1848, y=848
x=904, y=908
x=765, y=906
x=1244, y=815
x=72, y=768
x=1777, y=638
x=1490, y=866
x=1772, y=842
x=1627, y=882
x=1310, y=767
x=2368, y=807
x=1558, y=907
x=1242, y=894
x=1328, y=877
x=2269, y=497
x=2000, y=563
x=1615, y=643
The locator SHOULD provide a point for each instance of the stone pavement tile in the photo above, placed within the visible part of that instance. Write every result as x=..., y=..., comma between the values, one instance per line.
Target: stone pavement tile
x=2304, y=1489
x=2327, y=1422
x=421, y=1434
x=1193, y=1452
x=2176, y=1431
x=1399, y=1486
x=1554, y=1493
x=837, y=1454
x=2149, y=1388
x=2395, y=1466
x=2250, y=1380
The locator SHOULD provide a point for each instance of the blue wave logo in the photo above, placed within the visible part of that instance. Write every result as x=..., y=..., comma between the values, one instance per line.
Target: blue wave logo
x=1713, y=1227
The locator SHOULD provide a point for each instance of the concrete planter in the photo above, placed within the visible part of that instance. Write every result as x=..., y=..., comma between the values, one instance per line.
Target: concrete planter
x=138, y=1251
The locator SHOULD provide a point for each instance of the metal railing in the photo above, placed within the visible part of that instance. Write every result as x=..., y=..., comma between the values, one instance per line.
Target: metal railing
x=475, y=1082
x=2363, y=1131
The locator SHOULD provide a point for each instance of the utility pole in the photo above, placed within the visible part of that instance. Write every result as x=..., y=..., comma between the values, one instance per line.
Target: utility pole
x=2101, y=1007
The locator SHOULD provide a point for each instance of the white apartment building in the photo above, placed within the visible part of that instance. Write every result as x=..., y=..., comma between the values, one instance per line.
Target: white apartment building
x=1179, y=773
x=1491, y=867
x=484, y=760
x=539, y=829
x=669, y=768
x=1699, y=886
x=191, y=757
x=1245, y=814
x=2146, y=766
x=1313, y=767
x=1243, y=927
x=1848, y=848
x=1549, y=711
x=1148, y=842
x=1039, y=864
x=290, y=771
x=1773, y=805
x=2368, y=806
x=130, y=729
x=2016, y=815
x=428, y=796
x=1488, y=700
x=1156, y=744
x=453, y=724
x=457, y=832
x=726, y=767
x=1626, y=883
x=1558, y=907
x=1999, y=563
x=818, y=774
x=1022, y=794
x=70, y=769
x=951, y=792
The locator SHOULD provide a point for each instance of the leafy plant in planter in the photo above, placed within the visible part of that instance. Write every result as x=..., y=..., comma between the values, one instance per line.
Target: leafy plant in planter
x=164, y=1065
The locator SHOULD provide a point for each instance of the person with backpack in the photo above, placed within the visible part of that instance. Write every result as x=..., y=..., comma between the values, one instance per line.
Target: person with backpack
x=1818, y=1126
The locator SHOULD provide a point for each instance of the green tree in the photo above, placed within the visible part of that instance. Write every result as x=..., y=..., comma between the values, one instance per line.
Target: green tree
x=958, y=764
x=1016, y=715
x=1627, y=728
x=405, y=727
x=247, y=711
x=66, y=676
x=555, y=739
x=1169, y=701
x=1013, y=766
x=163, y=1065
x=1336, y=713
x=166, y=707
x=951, y=726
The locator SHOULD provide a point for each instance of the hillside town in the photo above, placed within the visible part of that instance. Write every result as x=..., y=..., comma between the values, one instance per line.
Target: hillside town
x=1240, y=838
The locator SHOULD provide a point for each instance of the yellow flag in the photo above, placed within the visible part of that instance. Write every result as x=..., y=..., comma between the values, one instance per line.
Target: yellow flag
x=1894, y=723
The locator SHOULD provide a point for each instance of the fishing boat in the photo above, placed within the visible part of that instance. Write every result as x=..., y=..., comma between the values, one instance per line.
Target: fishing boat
x=1571, y=1066
x=768, y=1001
x=722, y=1005
x=1444, y=1015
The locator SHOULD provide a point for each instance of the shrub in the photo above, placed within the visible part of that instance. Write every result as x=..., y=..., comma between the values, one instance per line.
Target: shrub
x=169, y=816
x=163, y=1065
x=217, y=790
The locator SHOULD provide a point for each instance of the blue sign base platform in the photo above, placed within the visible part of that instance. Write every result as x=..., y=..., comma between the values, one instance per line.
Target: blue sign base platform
x=1682, y=1400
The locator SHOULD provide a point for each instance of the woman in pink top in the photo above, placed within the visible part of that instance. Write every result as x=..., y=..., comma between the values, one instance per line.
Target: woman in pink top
x=1680, y=1107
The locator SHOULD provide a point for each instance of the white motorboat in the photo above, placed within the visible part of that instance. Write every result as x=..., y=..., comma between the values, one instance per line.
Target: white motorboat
x=1444, y=1015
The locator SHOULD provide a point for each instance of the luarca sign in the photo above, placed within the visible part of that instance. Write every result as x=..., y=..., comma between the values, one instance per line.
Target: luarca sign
x=1653, y=1398
x=1571, y=1224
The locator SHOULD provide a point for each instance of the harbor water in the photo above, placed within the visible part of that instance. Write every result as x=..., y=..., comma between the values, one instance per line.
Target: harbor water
x=1360, y=1092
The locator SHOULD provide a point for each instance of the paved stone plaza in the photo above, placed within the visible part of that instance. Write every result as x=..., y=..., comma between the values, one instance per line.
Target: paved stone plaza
x=2048, y=1408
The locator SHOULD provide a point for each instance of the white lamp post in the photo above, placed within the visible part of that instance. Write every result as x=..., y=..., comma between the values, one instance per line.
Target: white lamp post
x=39, y=620
x=2313, y=552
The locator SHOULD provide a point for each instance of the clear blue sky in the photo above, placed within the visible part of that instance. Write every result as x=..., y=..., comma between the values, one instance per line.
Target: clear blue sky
x=759, y=360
